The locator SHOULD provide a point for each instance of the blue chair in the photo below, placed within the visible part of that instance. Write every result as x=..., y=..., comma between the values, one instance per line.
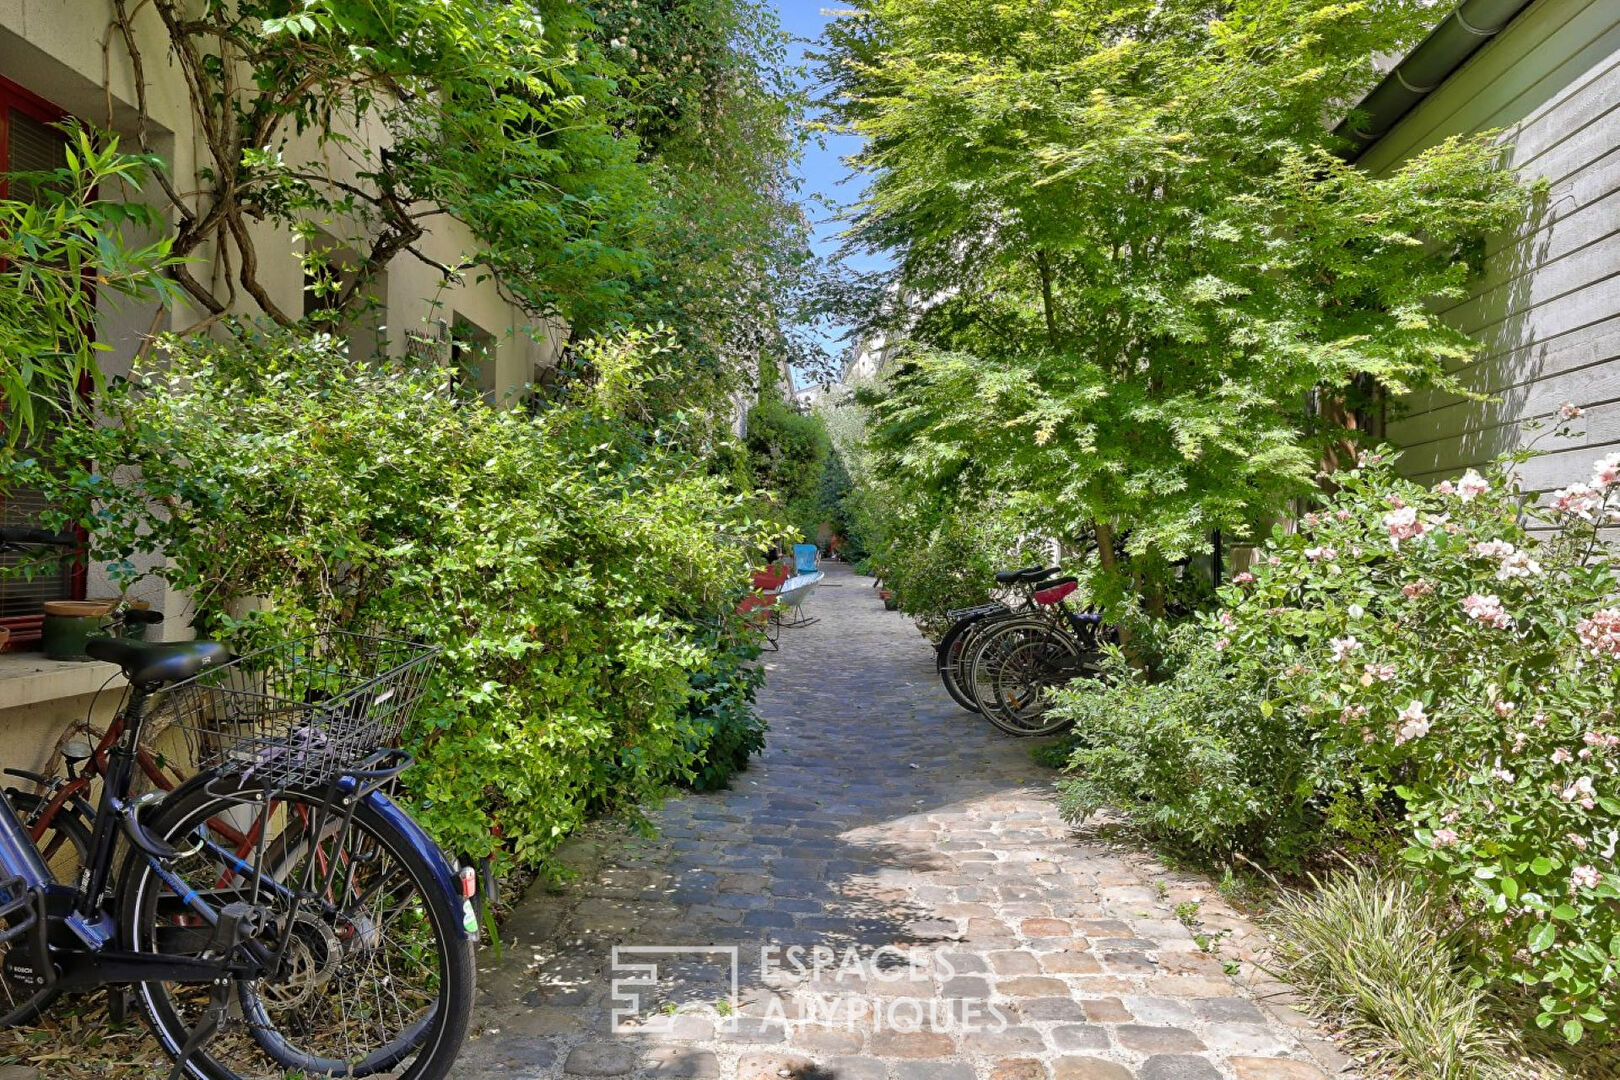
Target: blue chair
x=806, y=558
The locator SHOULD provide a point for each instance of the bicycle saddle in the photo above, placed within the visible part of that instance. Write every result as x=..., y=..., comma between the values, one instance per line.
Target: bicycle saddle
x=151, y=664
x=1025, y=576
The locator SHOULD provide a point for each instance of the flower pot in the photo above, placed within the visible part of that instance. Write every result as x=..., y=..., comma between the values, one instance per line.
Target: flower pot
x=69, y=624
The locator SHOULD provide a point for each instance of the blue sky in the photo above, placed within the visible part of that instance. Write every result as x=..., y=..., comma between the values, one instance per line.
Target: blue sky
x=825, y=180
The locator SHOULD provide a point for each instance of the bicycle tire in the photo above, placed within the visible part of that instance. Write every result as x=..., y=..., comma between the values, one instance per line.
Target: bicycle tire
x=17, y=1008
x=963, y=673
x=1015, y=641
x=947, y=657
x=428, y=1040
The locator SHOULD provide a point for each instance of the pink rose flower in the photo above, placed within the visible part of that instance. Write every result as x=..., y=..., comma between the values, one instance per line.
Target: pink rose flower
x=1471, y=485
x=1570, y=411
x=1561, y=756
x=1343, y=648
x=1601, y=632
x=1244, y=578
x=1413, y=723
x=1606, y=470
x=1445, y=837
x=1584, y=877
x=1577, y=500
x=1403, y=524
x=1504, y=709
x=1379, y=672
x=1487, y=609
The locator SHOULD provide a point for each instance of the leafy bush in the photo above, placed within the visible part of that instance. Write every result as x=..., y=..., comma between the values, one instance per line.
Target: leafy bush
x=580, y=574
x=788, y=450
x=936, y=562
x=1375, y=954
x=1430, y=670
x=726, y=729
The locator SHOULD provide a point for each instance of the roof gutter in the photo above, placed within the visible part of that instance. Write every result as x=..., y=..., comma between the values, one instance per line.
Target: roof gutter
x=1459, y=36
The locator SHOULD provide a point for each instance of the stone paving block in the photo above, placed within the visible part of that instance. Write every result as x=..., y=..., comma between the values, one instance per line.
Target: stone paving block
x=1018, y=1069
x=1107, y=1011
x=1227, y=1010
x=1067, y=1037
x=932, y=1070
x=857, y=1068
x=1031, y=986
x=683, y=1061
x=776, y=1067
x=600, y=1059
x=1268, y=1068
x=1178, y=1067
x=1014, y=963
x=911, y=1044
x=1017, y=1039
x=1089, y=1068
x=1052, y=1008
x=825, y=1040
x=1156, y=1040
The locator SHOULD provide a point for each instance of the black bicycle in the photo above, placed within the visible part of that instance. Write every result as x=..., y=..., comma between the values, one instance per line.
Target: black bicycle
x=954, y=649
x=337, y=942
x=1016, y=662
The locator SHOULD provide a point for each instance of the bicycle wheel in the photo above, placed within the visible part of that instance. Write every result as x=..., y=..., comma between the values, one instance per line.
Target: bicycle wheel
x=377, y=979
x=65, y=845
x=948, y=658
x=1015, y=666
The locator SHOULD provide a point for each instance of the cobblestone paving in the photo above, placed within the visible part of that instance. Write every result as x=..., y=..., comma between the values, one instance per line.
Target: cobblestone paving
x=963, y=929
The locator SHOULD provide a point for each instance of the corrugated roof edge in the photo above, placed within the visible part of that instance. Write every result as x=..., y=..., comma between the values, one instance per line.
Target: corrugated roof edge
x=1462, y=33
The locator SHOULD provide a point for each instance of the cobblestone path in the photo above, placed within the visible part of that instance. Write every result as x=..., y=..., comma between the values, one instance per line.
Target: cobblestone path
x=962, y=929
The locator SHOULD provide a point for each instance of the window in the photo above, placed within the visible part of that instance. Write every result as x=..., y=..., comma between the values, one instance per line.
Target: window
x=28, y=144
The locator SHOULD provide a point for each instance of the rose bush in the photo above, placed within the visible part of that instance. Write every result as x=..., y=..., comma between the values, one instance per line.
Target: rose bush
x=1433, y=671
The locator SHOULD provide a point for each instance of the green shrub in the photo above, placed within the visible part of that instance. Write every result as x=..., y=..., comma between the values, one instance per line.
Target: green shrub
x=726, y=731
x=1433, y=670
x=580, y=572
x=936, y=563
x=1375, y=954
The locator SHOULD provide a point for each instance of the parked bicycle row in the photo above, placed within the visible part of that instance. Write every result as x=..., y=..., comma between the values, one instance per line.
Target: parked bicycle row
x=1002, y=658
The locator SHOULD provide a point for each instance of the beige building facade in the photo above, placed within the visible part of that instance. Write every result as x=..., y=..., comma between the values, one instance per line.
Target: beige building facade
x=64, y=58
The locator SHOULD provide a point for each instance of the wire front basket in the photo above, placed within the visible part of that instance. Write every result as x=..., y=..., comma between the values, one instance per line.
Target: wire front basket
x=302, y=713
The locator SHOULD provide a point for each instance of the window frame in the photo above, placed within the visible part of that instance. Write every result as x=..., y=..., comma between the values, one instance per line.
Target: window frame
x=26, y=630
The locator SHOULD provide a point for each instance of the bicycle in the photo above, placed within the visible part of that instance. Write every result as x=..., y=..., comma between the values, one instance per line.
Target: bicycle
x=1015, y=662
x=954, y=646
x=340, y=945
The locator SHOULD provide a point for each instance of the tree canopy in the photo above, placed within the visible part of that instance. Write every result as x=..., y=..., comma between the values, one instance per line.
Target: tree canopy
x=1140, y=290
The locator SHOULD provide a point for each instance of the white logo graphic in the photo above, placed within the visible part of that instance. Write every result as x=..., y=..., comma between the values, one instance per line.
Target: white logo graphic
x=632, y=980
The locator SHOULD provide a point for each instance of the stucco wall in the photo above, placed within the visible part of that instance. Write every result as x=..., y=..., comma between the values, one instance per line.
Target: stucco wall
x=1548, y=306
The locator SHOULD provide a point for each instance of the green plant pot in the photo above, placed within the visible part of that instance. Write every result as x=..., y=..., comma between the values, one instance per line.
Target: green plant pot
x=64, y=636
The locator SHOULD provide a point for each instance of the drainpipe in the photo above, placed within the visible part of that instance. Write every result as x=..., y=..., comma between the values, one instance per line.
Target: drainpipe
x=1459, y=36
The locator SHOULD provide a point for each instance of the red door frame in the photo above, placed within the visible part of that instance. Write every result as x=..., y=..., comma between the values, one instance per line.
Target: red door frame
x=27, y=629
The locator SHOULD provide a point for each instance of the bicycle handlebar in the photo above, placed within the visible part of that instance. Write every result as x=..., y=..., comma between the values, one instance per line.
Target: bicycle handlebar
x=18, y=534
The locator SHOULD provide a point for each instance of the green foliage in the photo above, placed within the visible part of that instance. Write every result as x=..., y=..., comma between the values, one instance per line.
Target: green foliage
x=788, y=450
x=1375, y=955
x=727, y=730
x=580, y=574
x=712, y=100
x=939, y=559
x=64, y=249
x=1127, y=253
x=503, y=114
x=1428, y=671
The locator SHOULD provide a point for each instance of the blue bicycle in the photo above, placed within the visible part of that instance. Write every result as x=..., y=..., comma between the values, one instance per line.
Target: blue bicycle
x=336, y=942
